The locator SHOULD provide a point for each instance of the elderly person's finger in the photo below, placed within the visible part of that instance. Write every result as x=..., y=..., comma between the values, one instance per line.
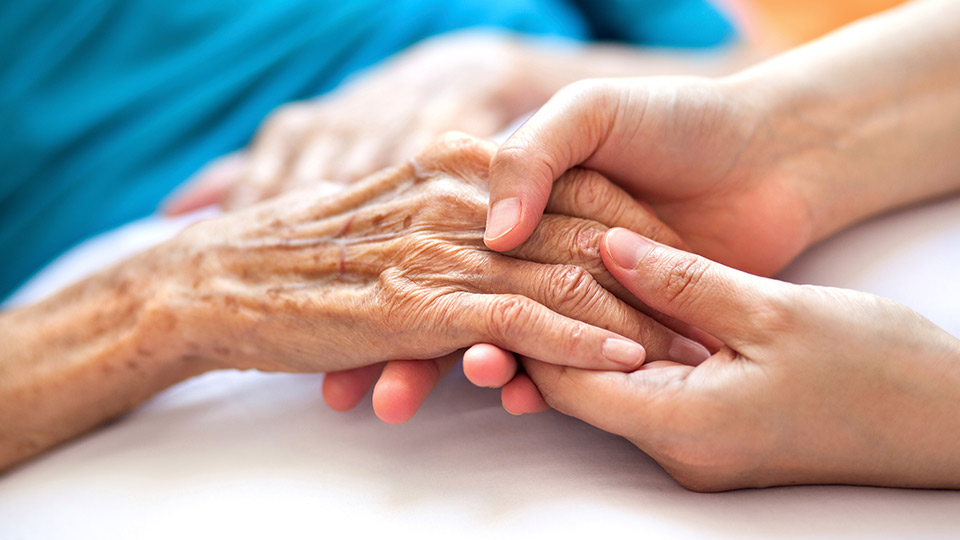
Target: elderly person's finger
x=405, y=385
x=209, y=186
x=586, y=194
x=276, y=145
x=343, y=390
x=488, y=365
x=521, y=396
x=518, y=323
x=572, y=290
x=317, y=158
x=560, y=240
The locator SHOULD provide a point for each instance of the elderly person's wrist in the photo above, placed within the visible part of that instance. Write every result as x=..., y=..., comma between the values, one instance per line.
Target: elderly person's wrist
x=87, y=354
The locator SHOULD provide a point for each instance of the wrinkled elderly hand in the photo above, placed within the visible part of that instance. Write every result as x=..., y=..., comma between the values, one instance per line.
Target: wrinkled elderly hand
x=468, y=82
x=392, y=268
x=812, y=385
x=581, y=207
x=395, y=268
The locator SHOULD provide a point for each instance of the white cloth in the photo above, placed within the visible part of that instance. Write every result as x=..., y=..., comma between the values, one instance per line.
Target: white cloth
x=250, y=455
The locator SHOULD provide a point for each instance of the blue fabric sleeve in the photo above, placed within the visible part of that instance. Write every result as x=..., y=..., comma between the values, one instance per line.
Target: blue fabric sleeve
x=667, y=23
x=107, y=105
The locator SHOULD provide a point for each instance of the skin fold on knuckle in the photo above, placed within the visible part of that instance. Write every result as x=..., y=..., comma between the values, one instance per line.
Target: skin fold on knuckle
x=412, y=315
x=584, y=246
x=458, y=155
x=592, y=194
x=566, y=240
x=579, y=244
x=677, y=277
x=573, y=290
x=511, y=318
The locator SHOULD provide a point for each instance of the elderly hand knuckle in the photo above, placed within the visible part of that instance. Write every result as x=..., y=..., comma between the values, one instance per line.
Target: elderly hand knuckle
x=680, y=278
x=586, y=241
x=395, y=294
x=510, y=316
x=572, y=287
x=589, y=192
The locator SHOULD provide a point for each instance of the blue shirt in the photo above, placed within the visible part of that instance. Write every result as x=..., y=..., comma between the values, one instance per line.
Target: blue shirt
x=105, y=106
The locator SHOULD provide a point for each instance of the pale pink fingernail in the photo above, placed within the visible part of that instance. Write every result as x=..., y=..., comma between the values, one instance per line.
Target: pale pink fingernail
x=504, y=216
x=687, y=351
x=623, y=352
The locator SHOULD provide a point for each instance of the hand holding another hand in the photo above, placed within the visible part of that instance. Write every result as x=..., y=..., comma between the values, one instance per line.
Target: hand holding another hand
x=704, y=154
x=812, y=384
x=393, y=268
x=580, y=209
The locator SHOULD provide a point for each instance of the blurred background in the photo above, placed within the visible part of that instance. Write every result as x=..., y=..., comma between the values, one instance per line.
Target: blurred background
x=776, y=24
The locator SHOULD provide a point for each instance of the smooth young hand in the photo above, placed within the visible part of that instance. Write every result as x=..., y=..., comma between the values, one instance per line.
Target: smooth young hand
x=812, y=384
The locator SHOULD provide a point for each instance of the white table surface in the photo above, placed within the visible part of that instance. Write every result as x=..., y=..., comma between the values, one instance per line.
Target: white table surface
x=250, y=455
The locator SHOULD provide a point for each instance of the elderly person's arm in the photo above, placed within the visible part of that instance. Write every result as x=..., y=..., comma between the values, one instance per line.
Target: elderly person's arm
x=394, y=268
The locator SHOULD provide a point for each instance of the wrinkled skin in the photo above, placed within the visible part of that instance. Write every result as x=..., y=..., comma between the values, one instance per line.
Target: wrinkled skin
x=395, y=268
x=402, y=386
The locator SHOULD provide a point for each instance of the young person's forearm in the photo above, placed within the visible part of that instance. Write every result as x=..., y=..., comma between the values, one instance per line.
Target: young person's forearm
x=83, y=357
x=873, y=111
x=540, y=67
x=555, y=67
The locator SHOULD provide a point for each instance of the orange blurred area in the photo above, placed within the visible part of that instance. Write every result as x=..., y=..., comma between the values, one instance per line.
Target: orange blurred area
x=779, y=24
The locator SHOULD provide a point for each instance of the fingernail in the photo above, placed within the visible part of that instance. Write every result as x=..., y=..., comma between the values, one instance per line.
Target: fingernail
x=687, y=351
x=627, y=248
x=623, y=352
x=504, y=216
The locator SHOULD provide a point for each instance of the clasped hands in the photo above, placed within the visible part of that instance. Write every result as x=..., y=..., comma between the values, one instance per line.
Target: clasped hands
x=394, y=268
x=802, y=384
x=741, y=381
